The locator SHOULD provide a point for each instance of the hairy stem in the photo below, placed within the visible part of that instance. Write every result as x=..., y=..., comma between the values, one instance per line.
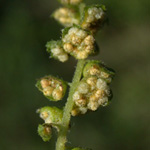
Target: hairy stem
x=62, y=136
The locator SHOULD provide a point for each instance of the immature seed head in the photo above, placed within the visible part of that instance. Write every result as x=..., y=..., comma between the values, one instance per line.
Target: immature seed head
x=78, y=42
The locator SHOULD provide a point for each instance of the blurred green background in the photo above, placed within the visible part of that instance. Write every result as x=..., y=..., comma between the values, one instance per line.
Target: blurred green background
x=25, y=27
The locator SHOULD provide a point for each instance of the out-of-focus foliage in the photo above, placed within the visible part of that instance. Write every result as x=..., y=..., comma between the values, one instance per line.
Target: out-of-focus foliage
x=25, y=27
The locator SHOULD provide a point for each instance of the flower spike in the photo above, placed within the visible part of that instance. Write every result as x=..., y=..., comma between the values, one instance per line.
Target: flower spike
x=90, y=86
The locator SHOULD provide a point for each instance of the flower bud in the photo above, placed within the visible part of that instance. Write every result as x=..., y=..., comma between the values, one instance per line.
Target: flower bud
x=93, y=17
x=98, y=69
x=66, y=16
x=57, y=51
x=70, y=2
x=53, y=88
x=45, y=132
x=91, y=93
x=51, y=115
x=78, y=42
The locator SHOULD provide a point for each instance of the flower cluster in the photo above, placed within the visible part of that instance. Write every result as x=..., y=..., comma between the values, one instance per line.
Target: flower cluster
x=56, y=50
x=66, y=16
x=75, y=41
x=93, y=17
x=90, y=18
x=53, y=88
x=52, y=117
x=78, y=42
x=93, y=90
x=98, y=69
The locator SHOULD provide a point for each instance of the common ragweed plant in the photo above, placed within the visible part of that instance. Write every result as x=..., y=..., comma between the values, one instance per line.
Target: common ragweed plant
x=90, y=87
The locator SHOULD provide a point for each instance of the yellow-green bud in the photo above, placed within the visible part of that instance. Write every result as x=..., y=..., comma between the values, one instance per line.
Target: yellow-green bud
x=78, y=42
x=66, y=16
x=45, y=132
x=56, y=50
x=53, y=88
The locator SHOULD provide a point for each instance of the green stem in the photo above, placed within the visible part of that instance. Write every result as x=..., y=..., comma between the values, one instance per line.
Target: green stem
x=62, y=136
